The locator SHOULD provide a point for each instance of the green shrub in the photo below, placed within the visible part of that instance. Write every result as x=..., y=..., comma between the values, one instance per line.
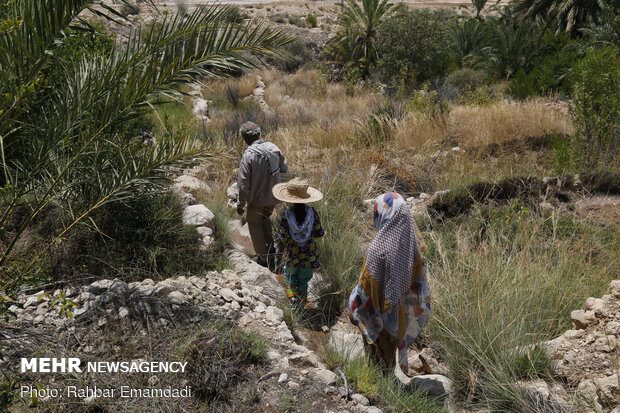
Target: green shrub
x=296, y=20
x=219, y=358
x=548, y=76
x=596, y=108
x=311, y=20
x=413, y=46
x=516, y=257
x=235, y=15
x=465, y=80
x=430, y=104
x=129, y=8
x=279, y=18
x=299, y=54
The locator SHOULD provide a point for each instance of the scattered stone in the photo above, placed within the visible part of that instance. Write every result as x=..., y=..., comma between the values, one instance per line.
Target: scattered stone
x=178, y=298
x=582, y=319
x=190, y=184
x=283, y=377
x=123, y=312
x=608, y=390
x=198, y=215
x=307, y=359
x=431, y=364
x=433, y=384
x=229, y=295
x=187, y=200
x=204, y=231
x=324, y=376
x=360, y=399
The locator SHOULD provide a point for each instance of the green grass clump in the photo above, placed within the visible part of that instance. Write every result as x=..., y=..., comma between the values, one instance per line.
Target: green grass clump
x=505, y=279
x=219, y=357
x=367, y=378
x=342, y=253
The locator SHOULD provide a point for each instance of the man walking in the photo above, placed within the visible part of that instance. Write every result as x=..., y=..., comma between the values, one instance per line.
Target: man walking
x=259, y=171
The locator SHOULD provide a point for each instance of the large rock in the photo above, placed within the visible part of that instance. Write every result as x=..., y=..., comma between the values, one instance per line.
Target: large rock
x=232, y=193
x=435, y=385
x=582, y=319
x=240, y=236
x=346, y=339
x=608, y=390
x=201, y=109
x=191, y=184
x=253, y=274
x=198, y=215
x=324, y=376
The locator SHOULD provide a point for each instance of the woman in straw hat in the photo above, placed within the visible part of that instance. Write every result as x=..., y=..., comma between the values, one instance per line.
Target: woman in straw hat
x=392, y=300
x=299, y=225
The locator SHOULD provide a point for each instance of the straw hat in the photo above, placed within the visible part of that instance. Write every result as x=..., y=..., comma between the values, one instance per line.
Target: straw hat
x=296, y=191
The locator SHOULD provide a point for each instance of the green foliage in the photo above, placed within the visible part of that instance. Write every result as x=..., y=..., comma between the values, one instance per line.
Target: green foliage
x=9, y=392
x=356, y=38
x=563, y=159
x=562, y=15
x=296, y=20
x=596, y=108
x=413, y=47
x=516, y=257
x=549, y=68
x=548, y=76
x=236, y=15
x=603, y=34
x=465, y=80
x=378, y=128
x=430, y=104
x=341, y=249
x=298, y=55
x=141, y=235
x=218, y=358
x=512, y=46
x=76, y=147
x=319, y=86
x=311, y=20
x=367, y=378
x=353, y=75
x=466, y=41
x=532, y=364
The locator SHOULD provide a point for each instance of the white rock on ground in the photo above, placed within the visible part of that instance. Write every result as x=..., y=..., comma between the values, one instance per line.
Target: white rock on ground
x=240, y=236
x=582, y=319
x=324, y=376
x=433, y=384
x=198, y=215
x=232, y=193
x=201, y=109
x=345, y=339
x=188, y=183
x=253, y=274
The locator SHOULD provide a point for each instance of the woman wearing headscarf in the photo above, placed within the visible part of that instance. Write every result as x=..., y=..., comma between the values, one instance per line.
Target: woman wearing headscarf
x=391, y=302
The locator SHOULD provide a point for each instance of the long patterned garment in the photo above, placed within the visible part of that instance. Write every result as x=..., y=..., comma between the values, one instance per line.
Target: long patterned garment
x=392, y=296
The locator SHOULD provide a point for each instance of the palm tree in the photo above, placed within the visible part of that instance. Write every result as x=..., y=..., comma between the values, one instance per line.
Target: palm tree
x=479, y=6
x=512, y=47
x=65, y=147
x=563, y=15
x=467, y=41
x=358, y=32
